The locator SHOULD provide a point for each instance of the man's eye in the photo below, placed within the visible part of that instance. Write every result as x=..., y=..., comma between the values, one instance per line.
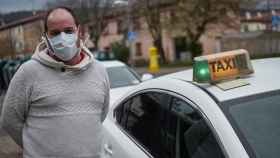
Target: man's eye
x=69, y=31
x=54, y=33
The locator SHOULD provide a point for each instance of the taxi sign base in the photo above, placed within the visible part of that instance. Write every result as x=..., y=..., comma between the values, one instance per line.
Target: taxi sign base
x=232, y=84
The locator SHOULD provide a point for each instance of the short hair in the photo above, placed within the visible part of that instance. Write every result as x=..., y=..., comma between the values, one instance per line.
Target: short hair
x=61, y=7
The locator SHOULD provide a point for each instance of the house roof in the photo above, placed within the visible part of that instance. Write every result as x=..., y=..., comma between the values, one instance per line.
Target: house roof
x=262, y=19
x=267, y=5
x=265, y=16
x=30, y=19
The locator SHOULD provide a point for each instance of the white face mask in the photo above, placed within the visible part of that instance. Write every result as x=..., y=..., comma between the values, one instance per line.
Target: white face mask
x=64, y=46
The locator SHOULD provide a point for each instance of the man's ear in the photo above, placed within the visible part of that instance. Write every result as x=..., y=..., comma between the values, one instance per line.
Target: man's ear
x=79, y=30
x=45, y=38
x=80, y=37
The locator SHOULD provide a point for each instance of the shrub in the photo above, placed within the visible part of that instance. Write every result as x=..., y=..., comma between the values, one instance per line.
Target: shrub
x=196, y=49
x=121, y=51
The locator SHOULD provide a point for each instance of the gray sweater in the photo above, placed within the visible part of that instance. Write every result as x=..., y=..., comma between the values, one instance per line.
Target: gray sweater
x=54, y=110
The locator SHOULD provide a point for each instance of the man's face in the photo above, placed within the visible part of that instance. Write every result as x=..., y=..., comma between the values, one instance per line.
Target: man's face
x=59, y=21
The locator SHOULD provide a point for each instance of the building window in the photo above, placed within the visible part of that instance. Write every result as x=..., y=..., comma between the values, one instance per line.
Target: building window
x=106, y=32
x=246, y=28
x=136, y=24
x=90, y=27
x=144, y=117
x=173, y=17
x=138, y=49
x=121, y=26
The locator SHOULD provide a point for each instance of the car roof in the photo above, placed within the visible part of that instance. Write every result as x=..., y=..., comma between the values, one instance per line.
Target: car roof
x=264, y=79
x=112, y=63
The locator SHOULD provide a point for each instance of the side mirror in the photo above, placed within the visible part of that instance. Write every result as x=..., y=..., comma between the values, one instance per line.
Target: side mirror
x=147, y=76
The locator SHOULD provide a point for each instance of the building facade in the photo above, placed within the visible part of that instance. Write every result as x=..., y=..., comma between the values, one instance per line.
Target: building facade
x=21, y=37
x=174, y=40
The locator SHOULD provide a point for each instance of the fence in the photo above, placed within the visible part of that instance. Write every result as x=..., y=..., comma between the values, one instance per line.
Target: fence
x=257, y=43
x=8, y=67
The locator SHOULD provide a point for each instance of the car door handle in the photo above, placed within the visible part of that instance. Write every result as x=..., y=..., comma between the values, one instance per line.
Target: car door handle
x=108, y=149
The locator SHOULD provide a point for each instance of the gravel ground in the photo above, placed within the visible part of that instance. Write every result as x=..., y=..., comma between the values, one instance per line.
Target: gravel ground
x=8, y=148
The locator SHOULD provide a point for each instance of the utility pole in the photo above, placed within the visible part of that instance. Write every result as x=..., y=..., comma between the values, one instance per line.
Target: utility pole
x=32, y=7
x=271, y=23
x=130, y=30
x=129, y=5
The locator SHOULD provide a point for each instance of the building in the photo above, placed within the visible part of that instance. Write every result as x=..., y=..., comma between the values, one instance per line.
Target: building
x=174, y=41
x=259, y=20
x=258, y=43
x=268, y=5
x=21, y=37
x=259, y=17
x=255, y=21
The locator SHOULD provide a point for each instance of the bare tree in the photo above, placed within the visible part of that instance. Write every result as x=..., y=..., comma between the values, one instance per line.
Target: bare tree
x=193, y=17
x=151, y=10
x=98, y=10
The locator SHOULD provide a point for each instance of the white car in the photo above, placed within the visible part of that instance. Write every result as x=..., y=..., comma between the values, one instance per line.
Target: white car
x=192, y=114
x=122, y=78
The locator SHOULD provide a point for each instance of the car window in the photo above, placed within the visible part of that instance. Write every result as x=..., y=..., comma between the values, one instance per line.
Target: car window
x=193, y=136
x=256, y=121
x=144, y=118
x=167, y=127
x=122, y=76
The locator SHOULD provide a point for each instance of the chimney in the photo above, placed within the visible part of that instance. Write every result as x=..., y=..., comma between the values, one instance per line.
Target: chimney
x=273, y=12
x=248, y=15
x=259, y=15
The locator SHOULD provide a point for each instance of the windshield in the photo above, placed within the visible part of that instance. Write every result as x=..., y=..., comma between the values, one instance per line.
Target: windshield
x=256, y=121
x=122, y=76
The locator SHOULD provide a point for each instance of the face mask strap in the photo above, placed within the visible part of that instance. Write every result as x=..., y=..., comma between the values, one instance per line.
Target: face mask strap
x=47, y=41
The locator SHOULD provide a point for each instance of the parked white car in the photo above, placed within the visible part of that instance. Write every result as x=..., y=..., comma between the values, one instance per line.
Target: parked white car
x=192, y=114
x=122, y=78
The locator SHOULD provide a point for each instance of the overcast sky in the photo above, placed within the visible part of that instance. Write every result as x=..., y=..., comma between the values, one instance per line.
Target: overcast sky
x=16, y=5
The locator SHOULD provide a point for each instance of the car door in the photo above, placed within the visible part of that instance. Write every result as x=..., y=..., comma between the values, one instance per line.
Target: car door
x=139, y=128
x=194, y=137
x=159, y=124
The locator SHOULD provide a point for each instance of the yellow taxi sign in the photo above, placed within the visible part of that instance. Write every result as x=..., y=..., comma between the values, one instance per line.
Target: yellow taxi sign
x=222, y=66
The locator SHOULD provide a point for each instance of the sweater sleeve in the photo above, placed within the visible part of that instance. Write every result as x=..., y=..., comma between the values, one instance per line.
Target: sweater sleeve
x=15, y=105
x=105, y=108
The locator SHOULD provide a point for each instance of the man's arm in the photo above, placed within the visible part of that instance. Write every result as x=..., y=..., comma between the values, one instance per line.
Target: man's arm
x=105, y=108
x=15, y=106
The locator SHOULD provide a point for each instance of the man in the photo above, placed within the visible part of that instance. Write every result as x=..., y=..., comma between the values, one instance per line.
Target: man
x=57, y=101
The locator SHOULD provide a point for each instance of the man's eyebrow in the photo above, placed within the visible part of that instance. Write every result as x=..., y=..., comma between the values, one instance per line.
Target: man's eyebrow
x=72, y=28
x=54, y=30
